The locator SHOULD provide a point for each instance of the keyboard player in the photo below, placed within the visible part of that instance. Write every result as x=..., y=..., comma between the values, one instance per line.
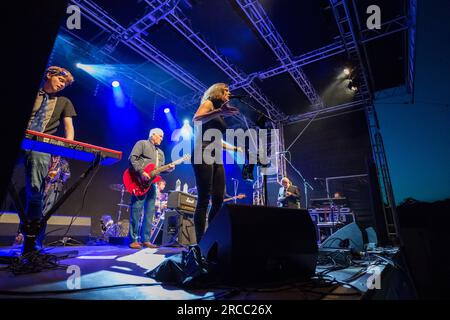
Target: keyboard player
x=49, y=111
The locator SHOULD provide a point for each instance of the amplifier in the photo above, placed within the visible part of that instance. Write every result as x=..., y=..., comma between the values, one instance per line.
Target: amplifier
x=178, y=228
x=182, y=201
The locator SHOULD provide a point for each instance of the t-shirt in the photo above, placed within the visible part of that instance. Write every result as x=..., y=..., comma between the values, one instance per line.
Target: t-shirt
x=59, y=108
x=64, y=108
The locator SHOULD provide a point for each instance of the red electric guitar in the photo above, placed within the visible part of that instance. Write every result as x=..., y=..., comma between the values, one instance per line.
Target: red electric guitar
x=134, y=183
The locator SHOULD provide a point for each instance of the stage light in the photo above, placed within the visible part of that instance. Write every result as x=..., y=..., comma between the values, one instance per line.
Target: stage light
x=166, y=110
x=79, y=65
x=186, y=130
x=115, y=83
x=347, y=71
x=352, y=86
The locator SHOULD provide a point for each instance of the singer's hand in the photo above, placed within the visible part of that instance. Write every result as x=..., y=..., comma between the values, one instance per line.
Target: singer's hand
x=227, y=110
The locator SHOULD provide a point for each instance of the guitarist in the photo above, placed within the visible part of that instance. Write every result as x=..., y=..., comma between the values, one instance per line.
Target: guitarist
x=145, y=152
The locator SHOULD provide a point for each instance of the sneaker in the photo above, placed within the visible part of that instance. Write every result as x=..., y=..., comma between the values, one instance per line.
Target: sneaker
x=135, y=245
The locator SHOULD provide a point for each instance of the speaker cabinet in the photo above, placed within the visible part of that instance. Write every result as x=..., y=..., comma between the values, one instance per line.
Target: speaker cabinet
x=255, y=243
x=351, y=236
x=178, y=228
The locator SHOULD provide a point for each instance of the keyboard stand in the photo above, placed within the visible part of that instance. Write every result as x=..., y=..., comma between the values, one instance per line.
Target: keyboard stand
x=32, y=228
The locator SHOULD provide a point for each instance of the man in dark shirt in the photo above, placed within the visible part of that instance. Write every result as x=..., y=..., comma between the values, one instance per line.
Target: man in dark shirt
x=145, y=152
x=288, y=195
x=48, y=111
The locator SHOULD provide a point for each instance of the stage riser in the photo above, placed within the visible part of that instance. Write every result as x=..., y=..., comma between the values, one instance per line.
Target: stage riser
x=56, y=226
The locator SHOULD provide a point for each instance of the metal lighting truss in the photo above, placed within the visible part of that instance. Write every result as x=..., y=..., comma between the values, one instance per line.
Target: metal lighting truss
x=278, y=160
x=335, y=109
x=386, y=28
x=342, y=16
x=412, y=13
x=149, y=19
x=296, y=62
x=130, y=73
x=127, y=36
x=258, y=17
x=177, y=20
x=338, y=47
x=131, y=38
x=276, y=171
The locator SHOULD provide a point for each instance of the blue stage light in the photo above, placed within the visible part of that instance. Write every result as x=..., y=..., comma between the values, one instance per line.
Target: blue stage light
x=166, y=110
x=115, y=83
x=186, y=122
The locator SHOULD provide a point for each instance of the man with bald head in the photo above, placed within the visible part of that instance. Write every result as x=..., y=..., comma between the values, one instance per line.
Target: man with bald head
x=288, y=195
x=145, y=152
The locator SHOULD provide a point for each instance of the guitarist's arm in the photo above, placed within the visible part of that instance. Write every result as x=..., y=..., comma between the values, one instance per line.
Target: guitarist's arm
x=135, y=159
x=163, y=161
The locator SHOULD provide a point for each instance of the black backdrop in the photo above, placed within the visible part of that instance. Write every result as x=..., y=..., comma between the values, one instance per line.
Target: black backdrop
x=337, y=146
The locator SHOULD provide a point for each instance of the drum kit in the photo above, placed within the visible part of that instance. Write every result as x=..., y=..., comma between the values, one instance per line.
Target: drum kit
x=121, y=228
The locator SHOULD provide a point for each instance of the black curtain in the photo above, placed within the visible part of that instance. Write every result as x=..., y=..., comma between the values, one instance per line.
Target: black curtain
x=31, y=29
x=337, y=146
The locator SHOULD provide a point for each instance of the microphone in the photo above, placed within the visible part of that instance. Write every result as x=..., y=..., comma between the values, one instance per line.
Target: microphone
x=238, y=96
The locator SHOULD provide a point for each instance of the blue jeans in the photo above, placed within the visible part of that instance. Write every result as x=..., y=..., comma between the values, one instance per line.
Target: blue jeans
x=36, y=169
x=146, y=203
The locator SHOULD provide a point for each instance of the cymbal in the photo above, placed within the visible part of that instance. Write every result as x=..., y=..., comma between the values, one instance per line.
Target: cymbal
x=117, y=187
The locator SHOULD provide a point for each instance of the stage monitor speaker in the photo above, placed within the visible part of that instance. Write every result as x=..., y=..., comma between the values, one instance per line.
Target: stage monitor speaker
x=351, y=236
x=255, y=243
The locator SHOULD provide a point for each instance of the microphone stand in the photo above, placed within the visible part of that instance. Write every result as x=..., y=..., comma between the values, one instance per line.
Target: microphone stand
x=241, y=99
x=235, y=184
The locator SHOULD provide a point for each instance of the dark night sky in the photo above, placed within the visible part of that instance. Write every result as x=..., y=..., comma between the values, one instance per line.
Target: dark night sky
x=417, y=136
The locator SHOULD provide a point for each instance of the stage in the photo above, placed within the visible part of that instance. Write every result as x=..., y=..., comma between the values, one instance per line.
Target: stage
x=118, y=273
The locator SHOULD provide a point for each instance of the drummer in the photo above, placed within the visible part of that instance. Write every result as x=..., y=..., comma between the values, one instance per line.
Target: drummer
x=161, y=198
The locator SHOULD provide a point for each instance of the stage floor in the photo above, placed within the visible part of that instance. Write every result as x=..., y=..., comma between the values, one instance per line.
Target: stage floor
x=125, y=269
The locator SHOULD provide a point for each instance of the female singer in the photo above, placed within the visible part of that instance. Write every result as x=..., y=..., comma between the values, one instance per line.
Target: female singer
x=210, y=178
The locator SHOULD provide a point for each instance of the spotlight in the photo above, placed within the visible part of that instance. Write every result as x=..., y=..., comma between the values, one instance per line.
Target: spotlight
x=352, y=86
x=115, y=83
x=347, y=71
x=166, y=110
x=186, y=122
x=79, y=65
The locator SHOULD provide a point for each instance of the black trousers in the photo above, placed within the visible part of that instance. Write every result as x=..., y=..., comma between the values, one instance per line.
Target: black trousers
x=210, y=179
